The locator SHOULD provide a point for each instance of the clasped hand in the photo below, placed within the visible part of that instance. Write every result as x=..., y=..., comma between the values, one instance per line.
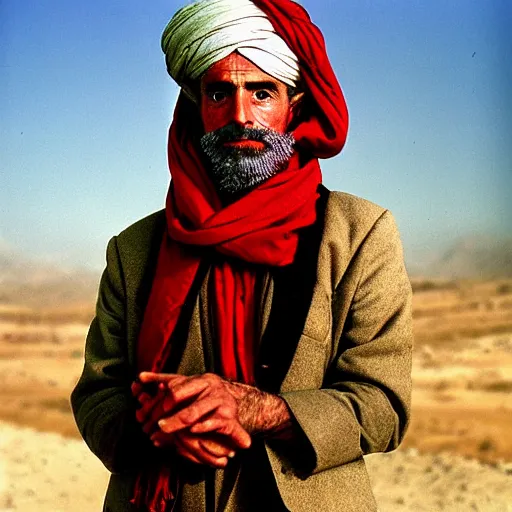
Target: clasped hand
x=195, y=415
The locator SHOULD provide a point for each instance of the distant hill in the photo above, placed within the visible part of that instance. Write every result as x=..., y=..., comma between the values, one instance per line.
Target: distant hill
x=34, y=283
x=472, y=257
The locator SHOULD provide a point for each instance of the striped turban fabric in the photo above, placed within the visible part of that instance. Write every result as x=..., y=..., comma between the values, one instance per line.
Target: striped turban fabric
x=202, y=33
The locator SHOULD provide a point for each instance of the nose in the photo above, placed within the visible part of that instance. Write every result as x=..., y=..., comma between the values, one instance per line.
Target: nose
x=242, y=110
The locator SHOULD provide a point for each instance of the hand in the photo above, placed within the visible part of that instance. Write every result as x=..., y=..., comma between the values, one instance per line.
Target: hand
x=213, y=450
x=210, y=449
x=151, y=397
x=205, y=403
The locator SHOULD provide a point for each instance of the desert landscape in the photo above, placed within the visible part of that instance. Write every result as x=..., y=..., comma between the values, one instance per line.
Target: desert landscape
x=457, y=454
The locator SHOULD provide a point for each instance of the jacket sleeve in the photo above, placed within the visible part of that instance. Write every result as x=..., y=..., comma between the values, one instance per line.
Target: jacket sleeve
x=102, y=403
x=364, y=404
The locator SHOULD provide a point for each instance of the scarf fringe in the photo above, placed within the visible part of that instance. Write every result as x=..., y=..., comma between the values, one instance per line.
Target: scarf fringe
x=153, y=490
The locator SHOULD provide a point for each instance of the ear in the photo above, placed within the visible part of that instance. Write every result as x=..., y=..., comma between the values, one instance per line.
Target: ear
x=295, y=106
x=296, y=99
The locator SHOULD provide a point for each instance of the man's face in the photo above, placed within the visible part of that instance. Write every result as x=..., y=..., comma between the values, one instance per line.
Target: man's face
x=234, y=90
x=245, y=115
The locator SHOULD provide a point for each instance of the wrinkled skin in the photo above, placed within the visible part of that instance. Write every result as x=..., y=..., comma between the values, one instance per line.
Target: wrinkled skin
x=234, y=90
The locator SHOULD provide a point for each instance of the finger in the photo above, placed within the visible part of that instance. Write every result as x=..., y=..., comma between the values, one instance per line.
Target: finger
x=168, y=405
x=144, y=397
x=186, y=390
x=146, y=377
x=192, y=447
x=136, y=388
x=188, y=447
x=155, y=411
x=208, y=425
x=161, y=440
x=218, y=446
x=216, y=421
x=144, y=413
x=236, y=433
x=156, y=414
x=184, y=452
x=189, y=415
x=171, y=405
x=240, y=436
x=232, y=429
x=216, y=449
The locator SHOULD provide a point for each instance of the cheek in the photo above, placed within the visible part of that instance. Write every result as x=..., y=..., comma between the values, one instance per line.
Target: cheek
x=276, y=119
x=213, y=117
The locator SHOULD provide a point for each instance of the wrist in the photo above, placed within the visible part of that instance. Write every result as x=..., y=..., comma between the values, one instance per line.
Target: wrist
x=261, y=413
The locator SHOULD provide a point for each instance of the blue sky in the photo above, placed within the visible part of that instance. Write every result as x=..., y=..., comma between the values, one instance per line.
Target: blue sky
x=85, y=105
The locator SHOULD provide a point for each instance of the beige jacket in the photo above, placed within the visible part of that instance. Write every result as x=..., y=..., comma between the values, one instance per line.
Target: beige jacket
x=348, y=383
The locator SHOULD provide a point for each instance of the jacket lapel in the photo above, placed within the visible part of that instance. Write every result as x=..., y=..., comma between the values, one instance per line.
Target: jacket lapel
x=293, y=299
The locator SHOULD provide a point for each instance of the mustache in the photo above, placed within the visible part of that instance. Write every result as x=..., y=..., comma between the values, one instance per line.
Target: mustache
x=235, y=170
x=235, y=132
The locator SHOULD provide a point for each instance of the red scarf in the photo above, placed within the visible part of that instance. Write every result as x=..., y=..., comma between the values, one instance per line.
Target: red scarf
x=260, y=228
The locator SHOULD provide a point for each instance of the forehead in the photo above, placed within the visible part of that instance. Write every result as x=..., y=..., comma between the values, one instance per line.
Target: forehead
x=236, y=69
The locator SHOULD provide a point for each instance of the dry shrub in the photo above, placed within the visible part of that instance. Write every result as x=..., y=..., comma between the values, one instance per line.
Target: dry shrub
x=498, y=387
x=486, y=445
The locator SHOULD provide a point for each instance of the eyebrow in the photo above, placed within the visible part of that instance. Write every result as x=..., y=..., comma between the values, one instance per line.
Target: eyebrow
x=255, y=86
x=230, y=87
x=219, y=86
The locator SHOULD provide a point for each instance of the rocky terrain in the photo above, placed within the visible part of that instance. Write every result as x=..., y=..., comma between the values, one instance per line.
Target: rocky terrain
x=46, y=472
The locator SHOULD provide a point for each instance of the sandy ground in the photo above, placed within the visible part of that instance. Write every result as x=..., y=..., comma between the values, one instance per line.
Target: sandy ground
x=462, y=398
x=48, y=473
x=457, y=454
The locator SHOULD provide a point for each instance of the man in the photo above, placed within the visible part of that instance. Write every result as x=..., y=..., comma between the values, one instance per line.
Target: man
x=253, y=341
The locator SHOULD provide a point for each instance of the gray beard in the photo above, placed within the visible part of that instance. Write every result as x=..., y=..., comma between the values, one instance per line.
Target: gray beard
x=235, y=171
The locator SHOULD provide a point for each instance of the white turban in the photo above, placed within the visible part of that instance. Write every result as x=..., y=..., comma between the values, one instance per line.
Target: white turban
x=202, y=33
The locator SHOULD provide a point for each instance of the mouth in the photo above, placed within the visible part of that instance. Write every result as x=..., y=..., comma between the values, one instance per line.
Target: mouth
x=245, y=143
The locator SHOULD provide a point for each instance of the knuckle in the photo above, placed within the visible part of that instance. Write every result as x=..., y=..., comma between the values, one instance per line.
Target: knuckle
x=204, y=426
x=190, y=416
x=171, y=393
x=227, y=412
x=226, y=428
x=212, y=377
